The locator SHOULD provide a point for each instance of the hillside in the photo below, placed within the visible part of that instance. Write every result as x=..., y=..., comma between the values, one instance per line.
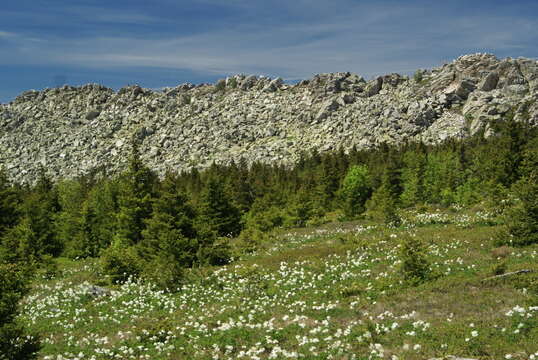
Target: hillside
x=420, y=250
x=72, y=130
x=331, y=292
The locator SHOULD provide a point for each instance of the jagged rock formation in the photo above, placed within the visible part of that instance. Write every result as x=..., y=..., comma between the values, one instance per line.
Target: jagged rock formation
x=71, y=130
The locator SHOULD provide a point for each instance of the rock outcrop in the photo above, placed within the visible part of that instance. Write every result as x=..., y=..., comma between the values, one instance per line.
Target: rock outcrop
x=72, y=130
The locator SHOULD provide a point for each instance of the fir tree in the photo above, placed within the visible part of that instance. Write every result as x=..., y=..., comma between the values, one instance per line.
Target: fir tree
x=171, y=226
x=384, y=201
x=522, y=220
x=329, y=181
x=355, y=190
x=15, y=342
x=20, y=244
x=442, y=176
x=301, y=209
x=217, y=211
x=87, y=239
x=415, y=266
x=242, y=192
x=134, y=200
x=68, y=221
x=9, y=204
x=39, y=211
x=169, y=241
x=99, y=216
x=412, y=177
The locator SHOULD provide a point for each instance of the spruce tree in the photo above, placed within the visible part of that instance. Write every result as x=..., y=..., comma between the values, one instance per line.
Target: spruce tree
x=87, y=240
x=171, y=214
x=522, y=219
x=241, y=189
x=68, y=222
x=194, y=184
x=169, y=241
x=355, y=190
x=414, y=266
x=9, y=204
x=20, y=244
x=40, y=209
x=412, y=176
x=15, y=342
x=34, y=235
x=385, y=200
x=342, y=163
x=442, y=176
x=99, y=216
x=217, y=211
x=136, y=191
x=329, y=181
x=266, y=212
x=300, y=209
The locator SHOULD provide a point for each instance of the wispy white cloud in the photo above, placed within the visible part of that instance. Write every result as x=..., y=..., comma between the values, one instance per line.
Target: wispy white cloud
x=367, y=39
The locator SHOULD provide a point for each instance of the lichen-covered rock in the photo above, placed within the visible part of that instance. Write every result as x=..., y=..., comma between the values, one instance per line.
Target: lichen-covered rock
x=274, y=85
x=489, y=82
x=327, y=108
x=72, y=130
x=374, y=87
x=461, y=88
x=392, y=80
x=95, y=291
x=92, y=114
x=248, y=82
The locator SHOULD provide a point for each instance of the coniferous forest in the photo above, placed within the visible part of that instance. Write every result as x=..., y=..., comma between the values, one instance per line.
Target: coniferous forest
x=155, y=230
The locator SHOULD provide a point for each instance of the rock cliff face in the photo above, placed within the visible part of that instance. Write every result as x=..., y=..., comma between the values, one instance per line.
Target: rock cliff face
x=71, y=130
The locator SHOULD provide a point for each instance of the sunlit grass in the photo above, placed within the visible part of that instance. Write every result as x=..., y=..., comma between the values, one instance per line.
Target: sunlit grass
x=330, y=292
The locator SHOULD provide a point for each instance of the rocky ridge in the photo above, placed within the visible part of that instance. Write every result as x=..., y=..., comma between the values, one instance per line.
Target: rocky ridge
x=72, y=130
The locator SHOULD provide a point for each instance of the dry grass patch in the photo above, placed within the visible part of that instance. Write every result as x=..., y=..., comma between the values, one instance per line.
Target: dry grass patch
x=501, y=252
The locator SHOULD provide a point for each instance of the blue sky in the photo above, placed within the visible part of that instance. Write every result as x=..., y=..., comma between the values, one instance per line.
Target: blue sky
x=157, y=43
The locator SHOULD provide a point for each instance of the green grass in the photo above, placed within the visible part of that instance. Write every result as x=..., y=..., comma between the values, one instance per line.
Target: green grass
x=330, y=292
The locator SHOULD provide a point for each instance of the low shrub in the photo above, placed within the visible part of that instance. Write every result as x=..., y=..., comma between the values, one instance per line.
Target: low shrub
x=250, y=240
x=164, y=272
x=218, y=253
x=415, y=266
x=119, y=264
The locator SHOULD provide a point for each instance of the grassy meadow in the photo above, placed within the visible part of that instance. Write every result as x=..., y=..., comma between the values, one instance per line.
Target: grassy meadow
x=333, y=291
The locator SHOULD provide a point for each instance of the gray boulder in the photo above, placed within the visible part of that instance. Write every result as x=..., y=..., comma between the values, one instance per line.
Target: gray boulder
x=248, y=82
x=327, y=108
x=462, y=88
x=274, y=85
x=374, y=87
x=489, y=82
x=393, y=79
x=92, y=114
x=96, y=291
